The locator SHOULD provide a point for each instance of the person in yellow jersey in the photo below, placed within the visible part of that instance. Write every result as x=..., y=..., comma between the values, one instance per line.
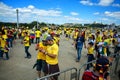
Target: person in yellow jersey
x=41, y=57
x=52, y=57
x=26, y=42
x=3, y=45
x=37, y=34
x=90, y=55
x=103, y=48
x=97, y=40
x=56, y=38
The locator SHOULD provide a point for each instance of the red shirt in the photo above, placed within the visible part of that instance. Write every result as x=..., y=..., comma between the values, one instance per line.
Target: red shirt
x=89, y=75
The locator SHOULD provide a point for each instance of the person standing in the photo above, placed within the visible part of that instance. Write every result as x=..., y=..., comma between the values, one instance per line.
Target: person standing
x=37, y=34
x=41, y=57
x=90, y=55
x=51, y=57
x=79, y=45
x=26, y=42
x=3, y=45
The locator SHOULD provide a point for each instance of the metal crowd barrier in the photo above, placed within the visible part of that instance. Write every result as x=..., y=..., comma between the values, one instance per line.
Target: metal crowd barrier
x=83, y=67
x=73, y=73
x=69, y=74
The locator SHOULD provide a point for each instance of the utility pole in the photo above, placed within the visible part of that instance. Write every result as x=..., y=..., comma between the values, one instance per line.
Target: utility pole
x=17, y=18
x=37, y=24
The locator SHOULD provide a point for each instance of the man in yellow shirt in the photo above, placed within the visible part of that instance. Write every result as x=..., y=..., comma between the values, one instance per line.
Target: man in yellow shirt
x=52, y=57
x=37, y=34
x=27, y=45
x=41, y=57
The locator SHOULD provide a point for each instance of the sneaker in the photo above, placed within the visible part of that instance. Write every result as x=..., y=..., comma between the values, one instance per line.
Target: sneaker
x=6, y=58
x=29, y=57
x=77, y=60
x=26, y=56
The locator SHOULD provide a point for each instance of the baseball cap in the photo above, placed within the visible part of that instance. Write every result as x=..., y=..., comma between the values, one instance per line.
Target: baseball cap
x=49, y=38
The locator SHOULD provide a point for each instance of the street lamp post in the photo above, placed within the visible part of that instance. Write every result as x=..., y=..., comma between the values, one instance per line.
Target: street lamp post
x=17, y=18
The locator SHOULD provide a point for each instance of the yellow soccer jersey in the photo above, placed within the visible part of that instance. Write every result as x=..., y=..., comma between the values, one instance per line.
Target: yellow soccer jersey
x=26, y=41
x=91, y=50
x=3, y=41
x=52, y=50
x=108, y=41
x=41, y=55
x=98, y=38
x=5, y=31
x=38, y=33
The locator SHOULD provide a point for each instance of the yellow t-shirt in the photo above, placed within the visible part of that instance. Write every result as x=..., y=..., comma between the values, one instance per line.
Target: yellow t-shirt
x=91, y=50
x=98, y=38
x=26, y=39
x=41, y=55
x=3, y=41
x=37, y=33
x=75, y=35
x=5, y=31
x=108, y=41
x=111, y=33
x=22, y=34
x=52, y=50
x=56, y=40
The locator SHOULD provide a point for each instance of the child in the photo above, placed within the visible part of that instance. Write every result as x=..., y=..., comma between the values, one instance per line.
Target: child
x=90, y=55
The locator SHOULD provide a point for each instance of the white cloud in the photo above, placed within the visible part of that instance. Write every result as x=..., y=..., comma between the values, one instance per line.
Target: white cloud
x=46, y=12
x=31, y=7
x=72, y=18
x=86, y=2
x=96, y=13
x=113, y=14
x=26, y=14
x=116, y=5
x=105, y=2
x=104, y=19
x=100, y=3
x=74, y=13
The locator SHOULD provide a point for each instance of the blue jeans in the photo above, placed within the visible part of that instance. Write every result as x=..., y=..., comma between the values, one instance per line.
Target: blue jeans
x=79, y=53
x=37, y=40
x=1, y=53
x=10, y=42
x=26, y=51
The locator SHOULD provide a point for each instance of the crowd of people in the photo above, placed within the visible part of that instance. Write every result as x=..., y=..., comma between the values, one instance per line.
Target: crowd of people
x=97, y=42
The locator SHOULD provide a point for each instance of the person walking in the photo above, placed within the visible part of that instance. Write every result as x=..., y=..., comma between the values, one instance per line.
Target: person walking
x=26, y=42
x=79, y=45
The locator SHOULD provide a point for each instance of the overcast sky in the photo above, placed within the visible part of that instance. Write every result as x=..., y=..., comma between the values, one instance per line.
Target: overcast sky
x=61, y=11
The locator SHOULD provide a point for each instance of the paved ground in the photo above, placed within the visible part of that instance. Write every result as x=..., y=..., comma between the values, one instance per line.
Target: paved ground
x=19, y=68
